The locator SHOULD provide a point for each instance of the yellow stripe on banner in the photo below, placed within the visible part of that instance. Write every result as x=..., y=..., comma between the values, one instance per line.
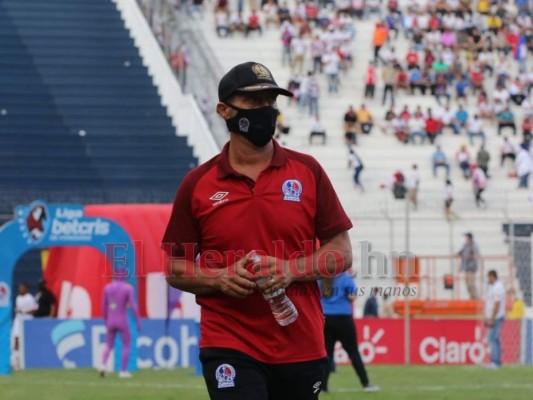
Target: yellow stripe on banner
x=44, y=259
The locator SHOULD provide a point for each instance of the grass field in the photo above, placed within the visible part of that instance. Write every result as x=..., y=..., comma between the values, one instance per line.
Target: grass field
x=409, y=383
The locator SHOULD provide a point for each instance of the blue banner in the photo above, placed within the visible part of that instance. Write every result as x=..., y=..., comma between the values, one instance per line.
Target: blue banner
x=76, y=343
x=42, y=225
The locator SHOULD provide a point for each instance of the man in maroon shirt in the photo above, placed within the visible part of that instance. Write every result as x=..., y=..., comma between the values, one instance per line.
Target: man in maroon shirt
x=256, y=197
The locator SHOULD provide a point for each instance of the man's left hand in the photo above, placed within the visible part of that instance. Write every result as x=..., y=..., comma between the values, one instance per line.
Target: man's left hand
x=276, y=270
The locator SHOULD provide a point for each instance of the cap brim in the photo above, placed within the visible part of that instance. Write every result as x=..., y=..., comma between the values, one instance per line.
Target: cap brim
x=264, y=87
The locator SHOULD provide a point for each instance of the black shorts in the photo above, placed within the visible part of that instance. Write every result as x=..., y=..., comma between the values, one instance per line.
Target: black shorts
x=232, y=375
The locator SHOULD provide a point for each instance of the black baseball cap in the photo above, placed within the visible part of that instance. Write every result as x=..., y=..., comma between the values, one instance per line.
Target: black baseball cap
x=248, y=77
x=469, y=234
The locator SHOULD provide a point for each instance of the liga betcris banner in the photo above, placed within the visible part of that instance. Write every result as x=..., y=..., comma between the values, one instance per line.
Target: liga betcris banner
x=433, y=342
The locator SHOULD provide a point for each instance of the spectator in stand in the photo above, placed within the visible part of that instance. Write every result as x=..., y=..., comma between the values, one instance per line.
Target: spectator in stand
x=380, y=37
x=253, y=24
x=449, y=120
x=412, y=58
x=461, y=116
x=416, y=126
x=416, y=81
x=506, y=151
x=475, y=128
x=399, y=127
x=222, y=24
x=317, y=129
x=370, y=80
x=439, y=160
x=350, y=125
x=412, y=184
x=298, y=51
x=527, y=129
x=287, y=33
x=365, y=120
x=469, y=254
x=388, y=74
x=332, y=63
x=371, y=308
x=390, y=115
x=318, y=48
x=463, y=158
x=433, y=127
x=270, y=11
x=356, y=164
x=506, y=119
x=179, y=62
x=479, y=183
x=448, y=200
x=524, y=166
x=483, y=159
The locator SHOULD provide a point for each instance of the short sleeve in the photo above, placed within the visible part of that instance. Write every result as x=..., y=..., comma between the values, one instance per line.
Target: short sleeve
x=330, y=219
x=183, y=232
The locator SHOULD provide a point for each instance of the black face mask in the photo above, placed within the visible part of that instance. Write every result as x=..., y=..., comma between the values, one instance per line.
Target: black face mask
x=258, y=125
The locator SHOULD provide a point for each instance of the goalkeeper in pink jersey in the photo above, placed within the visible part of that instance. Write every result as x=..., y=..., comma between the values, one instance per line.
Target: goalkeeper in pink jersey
x=117, y=296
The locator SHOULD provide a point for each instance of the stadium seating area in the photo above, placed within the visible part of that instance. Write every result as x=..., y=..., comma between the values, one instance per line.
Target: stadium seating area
x=80, y=118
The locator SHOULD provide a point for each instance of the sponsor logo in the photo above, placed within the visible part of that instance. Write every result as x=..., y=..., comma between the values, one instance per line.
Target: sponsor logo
x=369, y=347
x=219, y=198
x=225, y=375
x=244, y=125
x=292, y=190
x=68, y=336
x=35, y=223
x=441, y=350
x=316, y=387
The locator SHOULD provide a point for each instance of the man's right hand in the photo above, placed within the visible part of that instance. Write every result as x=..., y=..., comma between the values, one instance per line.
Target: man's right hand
x=236, y=280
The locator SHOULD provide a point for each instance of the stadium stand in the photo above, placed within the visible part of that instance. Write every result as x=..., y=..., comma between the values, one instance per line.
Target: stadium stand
x=80, y=118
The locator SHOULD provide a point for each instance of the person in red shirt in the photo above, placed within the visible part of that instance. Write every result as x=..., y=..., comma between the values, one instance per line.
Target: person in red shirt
x=412, y=58
x=253, y=24
x=370, y=80
x=257, y=210
x=433, y=127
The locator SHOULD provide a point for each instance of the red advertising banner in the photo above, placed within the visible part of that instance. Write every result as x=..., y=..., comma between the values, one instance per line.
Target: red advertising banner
x=381, y=341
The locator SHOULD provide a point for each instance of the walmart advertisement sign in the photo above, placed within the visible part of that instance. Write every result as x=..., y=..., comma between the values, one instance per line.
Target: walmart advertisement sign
x=76, y=343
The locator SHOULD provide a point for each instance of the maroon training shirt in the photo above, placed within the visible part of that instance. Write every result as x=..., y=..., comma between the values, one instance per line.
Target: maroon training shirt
x=291, y=203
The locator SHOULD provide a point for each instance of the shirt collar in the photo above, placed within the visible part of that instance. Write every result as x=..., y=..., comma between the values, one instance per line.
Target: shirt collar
x=225, y=169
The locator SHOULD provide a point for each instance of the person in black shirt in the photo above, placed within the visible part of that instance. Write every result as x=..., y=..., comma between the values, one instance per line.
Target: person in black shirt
x=46, y=301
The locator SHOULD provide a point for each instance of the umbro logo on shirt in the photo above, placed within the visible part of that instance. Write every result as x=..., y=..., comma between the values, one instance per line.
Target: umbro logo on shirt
x=219, y=198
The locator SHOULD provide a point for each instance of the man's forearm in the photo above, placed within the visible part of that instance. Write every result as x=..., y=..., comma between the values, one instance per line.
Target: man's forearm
x=329, y=260
x=189, y=277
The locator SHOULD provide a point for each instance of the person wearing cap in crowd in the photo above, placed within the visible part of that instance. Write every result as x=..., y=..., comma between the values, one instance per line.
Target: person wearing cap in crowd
x=469, y=254
x=257, y=210
x=116, y=298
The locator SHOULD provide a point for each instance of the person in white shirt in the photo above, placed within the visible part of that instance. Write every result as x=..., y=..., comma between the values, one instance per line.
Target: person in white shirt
x=475, y=128
x=524, y=166
x=299, y=48
x=25, y=305
x=332, y=62
x=317, y=129
x=412, y=184
x=494, y=317
x=417, y=127
x=448, y=200
x=507, y=151
x=356, y=163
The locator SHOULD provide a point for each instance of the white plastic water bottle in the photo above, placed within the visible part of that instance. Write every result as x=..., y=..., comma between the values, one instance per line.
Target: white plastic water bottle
x=282, y=307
